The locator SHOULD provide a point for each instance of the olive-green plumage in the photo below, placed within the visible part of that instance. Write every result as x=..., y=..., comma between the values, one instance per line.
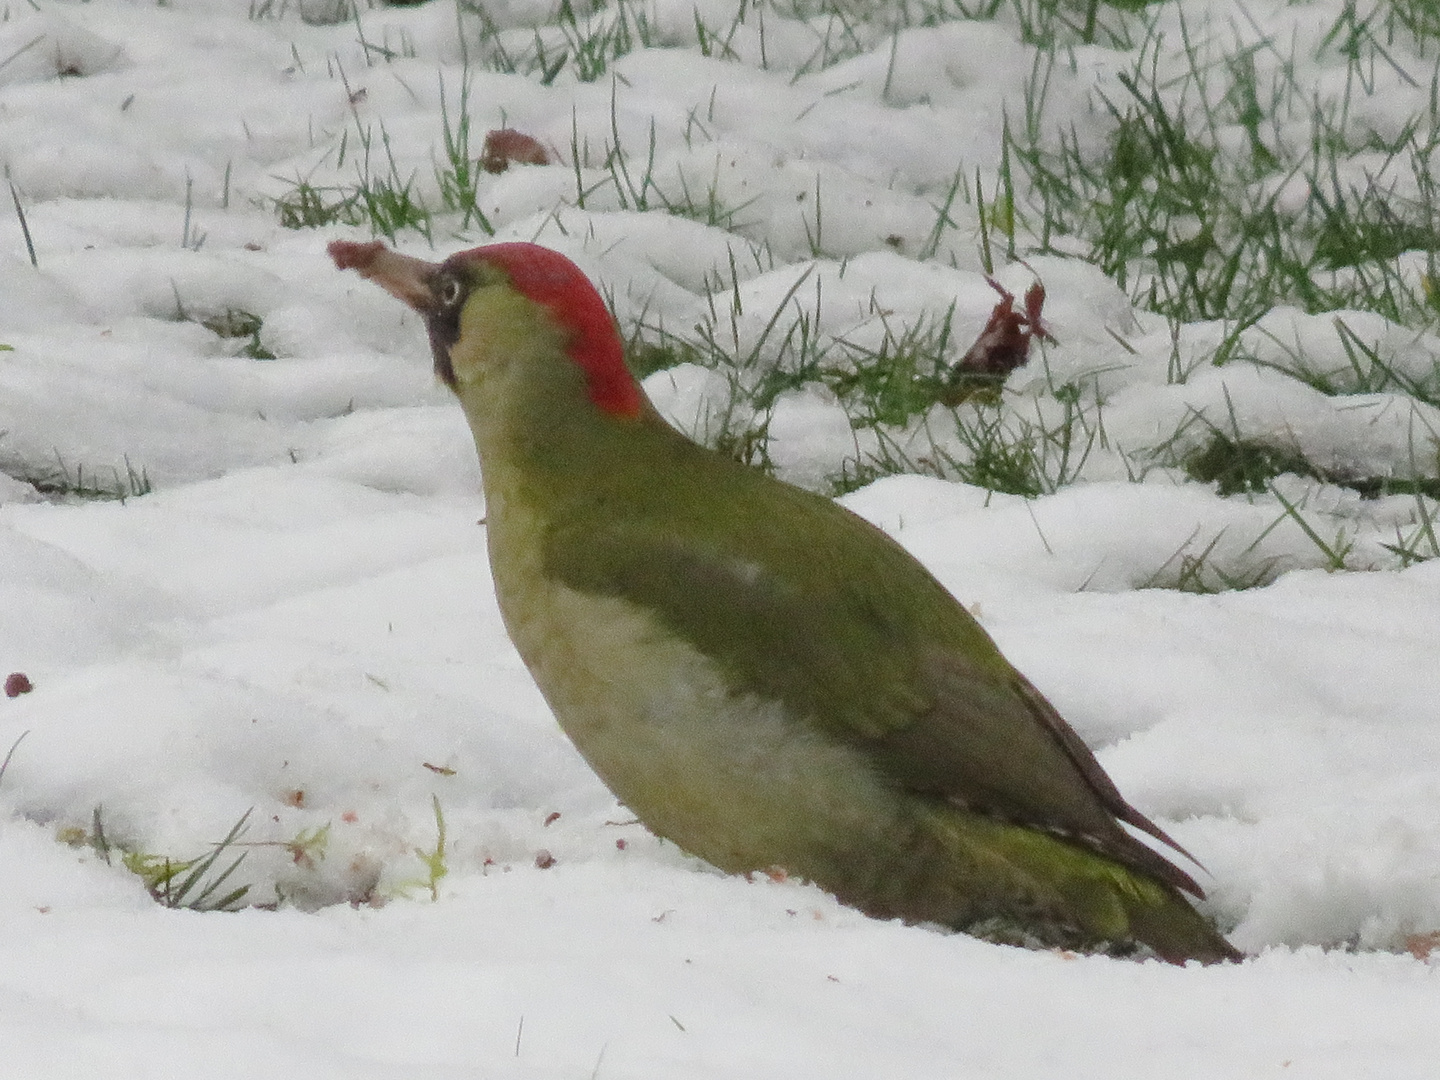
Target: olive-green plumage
x=761, y=676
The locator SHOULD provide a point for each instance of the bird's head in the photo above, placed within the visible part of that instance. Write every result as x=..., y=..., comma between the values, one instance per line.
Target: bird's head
x=507, y=315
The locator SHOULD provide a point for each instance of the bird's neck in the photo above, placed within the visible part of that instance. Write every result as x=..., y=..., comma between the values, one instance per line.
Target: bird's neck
x=549, y=455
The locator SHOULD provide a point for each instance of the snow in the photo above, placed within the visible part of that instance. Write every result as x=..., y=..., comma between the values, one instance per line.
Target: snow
x=298, y=619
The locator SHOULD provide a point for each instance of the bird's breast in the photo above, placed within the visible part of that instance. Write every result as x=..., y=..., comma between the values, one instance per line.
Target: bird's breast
x=718, y=770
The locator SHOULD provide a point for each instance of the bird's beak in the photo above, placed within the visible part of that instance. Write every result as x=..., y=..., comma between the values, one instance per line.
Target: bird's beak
x=402, y=276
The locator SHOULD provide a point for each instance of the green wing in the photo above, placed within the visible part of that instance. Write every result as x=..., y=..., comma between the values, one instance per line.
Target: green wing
x=840, y=623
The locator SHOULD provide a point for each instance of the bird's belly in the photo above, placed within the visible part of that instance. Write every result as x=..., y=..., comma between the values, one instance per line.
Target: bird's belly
x=727, y=775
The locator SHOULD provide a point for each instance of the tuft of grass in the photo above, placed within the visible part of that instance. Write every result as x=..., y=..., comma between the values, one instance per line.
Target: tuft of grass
x=1336, y=552
x=1198, y=570
x=583, y=46
x=889, y=384
x=1242, y=465
x=1007, y=452
x=991, y=446
x=435, y=864
x=385, y=199
x=634, y=186
x=604, y=37
x=60, y=481
x=382, y=196
x=238, y=323
x=459, y=176
x=1365, y=371
x=309, y=206
x=1420, y=545
x=194, y=883
x=435, y=860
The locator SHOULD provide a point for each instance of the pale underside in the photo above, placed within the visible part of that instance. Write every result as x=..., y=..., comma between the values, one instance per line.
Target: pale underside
x=724, y=773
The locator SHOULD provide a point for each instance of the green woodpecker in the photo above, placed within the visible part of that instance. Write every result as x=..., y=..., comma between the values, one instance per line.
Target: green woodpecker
x=760, y=675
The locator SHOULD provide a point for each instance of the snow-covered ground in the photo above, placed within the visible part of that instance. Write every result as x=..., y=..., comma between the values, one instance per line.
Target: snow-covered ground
x=297, y=620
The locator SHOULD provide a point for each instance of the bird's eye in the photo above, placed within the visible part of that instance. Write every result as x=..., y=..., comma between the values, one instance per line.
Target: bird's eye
x=447, y=291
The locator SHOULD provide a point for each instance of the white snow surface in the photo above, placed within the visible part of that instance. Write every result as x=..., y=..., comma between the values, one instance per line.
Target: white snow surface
x=298, y=620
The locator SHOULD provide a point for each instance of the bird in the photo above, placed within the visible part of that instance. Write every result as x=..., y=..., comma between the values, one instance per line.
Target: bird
x=759, y=674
